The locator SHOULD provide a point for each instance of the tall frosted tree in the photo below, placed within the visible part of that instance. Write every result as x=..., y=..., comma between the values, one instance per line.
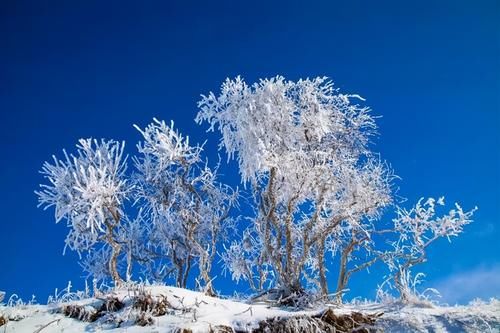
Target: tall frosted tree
x=87, y=190
x=302, y=148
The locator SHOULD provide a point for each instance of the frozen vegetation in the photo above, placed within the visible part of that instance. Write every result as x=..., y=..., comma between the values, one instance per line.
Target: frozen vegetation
x=314, y=194
x=139, y=308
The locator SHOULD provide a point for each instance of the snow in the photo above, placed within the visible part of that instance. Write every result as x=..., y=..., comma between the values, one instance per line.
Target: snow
x=203, y=313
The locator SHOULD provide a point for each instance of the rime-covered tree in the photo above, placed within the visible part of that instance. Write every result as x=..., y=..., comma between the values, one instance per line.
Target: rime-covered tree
x=303, y=150
x=416, y=229
x=187, y=207
x=302, y=147
x=88, y=189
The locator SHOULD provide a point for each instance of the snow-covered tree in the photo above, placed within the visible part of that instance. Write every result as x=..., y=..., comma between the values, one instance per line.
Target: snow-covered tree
x=88, y=189
x=186, y=205
x=318, y=190
x=417, y=229
x=302, y=147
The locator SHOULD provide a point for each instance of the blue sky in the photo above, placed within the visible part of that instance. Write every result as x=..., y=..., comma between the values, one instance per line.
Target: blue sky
x=72, y=69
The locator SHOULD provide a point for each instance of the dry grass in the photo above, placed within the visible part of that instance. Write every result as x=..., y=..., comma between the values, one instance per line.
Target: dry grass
x=221, y=329
x=144, y=319
x=112, y=304
x=89, y=313
x=80, y=312
x=326, y=321
x=155, y=305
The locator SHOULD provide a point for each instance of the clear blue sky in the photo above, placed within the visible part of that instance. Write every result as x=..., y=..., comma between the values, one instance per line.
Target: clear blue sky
x=72, y=69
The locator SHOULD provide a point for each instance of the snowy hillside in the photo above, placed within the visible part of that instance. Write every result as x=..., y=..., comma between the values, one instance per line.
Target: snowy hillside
x=169, y=309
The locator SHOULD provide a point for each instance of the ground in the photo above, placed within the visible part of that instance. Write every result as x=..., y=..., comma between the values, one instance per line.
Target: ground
x=169, y=309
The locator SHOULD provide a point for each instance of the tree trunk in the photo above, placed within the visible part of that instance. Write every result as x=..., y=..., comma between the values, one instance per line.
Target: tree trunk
x=205, y=273
x=113, y=263
x=321, y=263
x=115, y=246
x=342, y=280
x=186, y=272
x=400, y=278
x=401, y=285
x=209, y=290
x=180, y=274
x=129, y=266
x=115, y=252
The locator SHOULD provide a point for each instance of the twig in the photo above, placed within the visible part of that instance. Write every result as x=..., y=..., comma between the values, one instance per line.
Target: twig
x=44, y=326
x=249, y=309
x=197, y=304
x=265, y=292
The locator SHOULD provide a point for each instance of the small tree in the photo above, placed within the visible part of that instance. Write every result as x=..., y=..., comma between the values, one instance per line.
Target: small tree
x=303, y=149
x=186, y=205
x=88, y=190
x=417, y=229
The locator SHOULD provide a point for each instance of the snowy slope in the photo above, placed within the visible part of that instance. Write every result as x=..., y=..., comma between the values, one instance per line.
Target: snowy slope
x=200, y=313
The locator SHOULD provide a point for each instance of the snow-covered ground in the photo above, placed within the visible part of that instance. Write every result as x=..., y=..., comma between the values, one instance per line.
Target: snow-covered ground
x=199, y=313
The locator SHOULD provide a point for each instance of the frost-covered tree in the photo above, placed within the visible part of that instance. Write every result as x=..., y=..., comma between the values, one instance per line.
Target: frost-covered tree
x=186, y=205
x=302, y=147
x=303, y=151
x=182, y=209
x=88, y=189
x=417, y=229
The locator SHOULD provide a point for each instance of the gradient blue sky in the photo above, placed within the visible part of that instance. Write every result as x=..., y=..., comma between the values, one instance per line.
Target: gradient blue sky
x=72, y=69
